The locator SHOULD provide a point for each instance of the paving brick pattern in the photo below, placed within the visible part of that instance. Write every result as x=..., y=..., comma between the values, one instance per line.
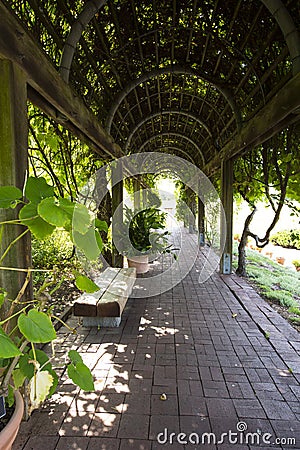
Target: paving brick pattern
x=202, y=345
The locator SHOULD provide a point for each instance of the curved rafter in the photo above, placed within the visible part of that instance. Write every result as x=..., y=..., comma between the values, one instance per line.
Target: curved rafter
x=186, y=94
x=177, y=149
x=288, y=28
x=171, y=133
x=175, y=70
x=84, y=18
x=161, y=113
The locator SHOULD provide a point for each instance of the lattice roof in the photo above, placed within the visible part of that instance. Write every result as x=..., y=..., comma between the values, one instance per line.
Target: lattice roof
x=171, y=75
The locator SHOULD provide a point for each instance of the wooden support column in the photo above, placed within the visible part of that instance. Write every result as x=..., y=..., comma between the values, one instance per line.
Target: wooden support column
x=144, y=198
x=117, y=213
x=13, y=169
x=226, y=224
x=201, y=225
x=137, y=194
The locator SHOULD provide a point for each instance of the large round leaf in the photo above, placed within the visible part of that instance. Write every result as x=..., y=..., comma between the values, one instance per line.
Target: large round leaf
x=7, y=348
x=36, y=326
x=87, y=243
x=81, y=375
x=37, y=189
x=49, y=209
x=30, y=218
x=67, y=206
x=9, y=195
x=81, y=219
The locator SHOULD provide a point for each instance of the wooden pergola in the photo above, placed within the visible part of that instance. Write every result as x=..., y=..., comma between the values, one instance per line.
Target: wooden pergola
x=207, y=80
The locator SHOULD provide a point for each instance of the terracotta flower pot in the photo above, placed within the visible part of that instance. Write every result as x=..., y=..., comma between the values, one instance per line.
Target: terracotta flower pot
x=141, y=263
x=9, y=433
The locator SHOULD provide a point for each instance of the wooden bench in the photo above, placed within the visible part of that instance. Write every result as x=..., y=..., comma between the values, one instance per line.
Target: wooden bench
x=105, y=307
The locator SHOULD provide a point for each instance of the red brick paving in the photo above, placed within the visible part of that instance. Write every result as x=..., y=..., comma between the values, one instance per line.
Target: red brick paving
x=215, y=369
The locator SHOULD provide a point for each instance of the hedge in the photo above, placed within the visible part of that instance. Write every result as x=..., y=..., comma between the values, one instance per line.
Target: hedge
x=287, y=239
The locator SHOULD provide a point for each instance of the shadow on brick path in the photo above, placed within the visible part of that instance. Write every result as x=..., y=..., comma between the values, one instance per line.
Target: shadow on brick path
x=202, y=345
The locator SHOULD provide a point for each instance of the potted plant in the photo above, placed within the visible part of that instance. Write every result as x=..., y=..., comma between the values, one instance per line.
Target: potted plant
x=145, y=238
x=27, y=324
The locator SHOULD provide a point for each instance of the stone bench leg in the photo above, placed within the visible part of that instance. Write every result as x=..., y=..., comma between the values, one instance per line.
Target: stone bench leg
x=101, y=321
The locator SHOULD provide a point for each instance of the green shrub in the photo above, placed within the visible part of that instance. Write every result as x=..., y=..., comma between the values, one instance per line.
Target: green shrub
x=296, y=262
x=280, y=296
x=56, y=250
x=287, y=239
x=294, y=310
x=295, y=320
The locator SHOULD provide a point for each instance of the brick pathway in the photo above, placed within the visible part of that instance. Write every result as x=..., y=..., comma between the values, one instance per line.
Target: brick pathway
x=202, y=345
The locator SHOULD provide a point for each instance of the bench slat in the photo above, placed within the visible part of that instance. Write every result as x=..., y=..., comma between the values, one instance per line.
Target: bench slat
x=86, y=305
x=113, y=301
x=104, y=307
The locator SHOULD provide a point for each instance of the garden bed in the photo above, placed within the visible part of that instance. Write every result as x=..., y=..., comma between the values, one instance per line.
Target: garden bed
x=278, y=285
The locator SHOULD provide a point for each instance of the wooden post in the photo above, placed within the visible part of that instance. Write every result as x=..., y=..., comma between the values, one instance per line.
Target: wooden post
x=226, y=225
x=13, y=168
x=201, y=226
x=137, y=193
x=117, y=213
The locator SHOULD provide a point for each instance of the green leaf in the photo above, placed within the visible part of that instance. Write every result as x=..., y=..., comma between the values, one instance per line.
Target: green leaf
x=9, y=195
x=30, y=218
x=99, y=240
x=67, y=206
x=26, y=367
x=18, y=378
x=81, y=219
x=55, y=382
x=87, y=243
x=36, y=326
x=81, y=375
x=49, y=209
x=7, y=348
x=86, y=284
x=11, y=396
x=101, y=225
x=3, y=295
x=37, y=189
x=74, y=356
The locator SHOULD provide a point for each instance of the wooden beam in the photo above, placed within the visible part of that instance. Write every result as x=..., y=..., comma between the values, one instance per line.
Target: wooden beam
x=13, y=170
x=277, y=114
x=17, y=46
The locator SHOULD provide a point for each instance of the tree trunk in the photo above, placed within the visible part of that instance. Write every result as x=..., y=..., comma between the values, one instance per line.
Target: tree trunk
x=241, y=269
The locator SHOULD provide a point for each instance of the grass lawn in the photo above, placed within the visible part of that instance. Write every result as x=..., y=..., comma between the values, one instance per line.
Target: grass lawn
x=277, y=284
